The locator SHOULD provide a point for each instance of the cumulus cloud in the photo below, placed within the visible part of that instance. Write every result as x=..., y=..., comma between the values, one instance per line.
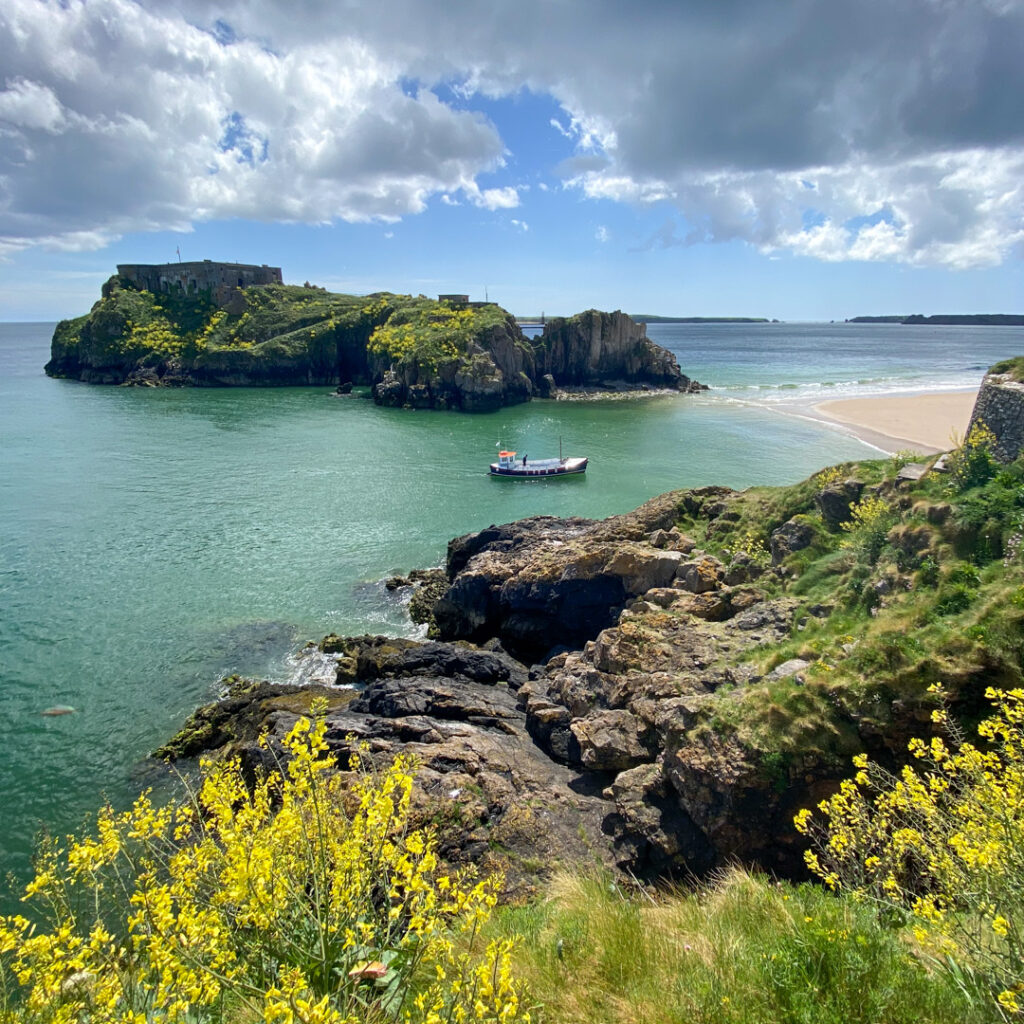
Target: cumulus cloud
x=876, y=130
x=115, y=118
x=506, y=198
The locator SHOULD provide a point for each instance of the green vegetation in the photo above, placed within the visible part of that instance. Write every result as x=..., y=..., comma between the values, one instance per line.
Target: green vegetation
x=298, y=899
x=1014, y=367
x=943, y=843
x=430, y=333
x=739, y=950
x=274, y=323
x=921, y=585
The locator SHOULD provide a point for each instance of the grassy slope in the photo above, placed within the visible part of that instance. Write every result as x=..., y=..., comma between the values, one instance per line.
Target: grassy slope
x=882, y=616
x=743, y=948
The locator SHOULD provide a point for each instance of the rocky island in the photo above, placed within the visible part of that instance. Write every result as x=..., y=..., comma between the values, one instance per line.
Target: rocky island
x=661, y=691
x=219, y=325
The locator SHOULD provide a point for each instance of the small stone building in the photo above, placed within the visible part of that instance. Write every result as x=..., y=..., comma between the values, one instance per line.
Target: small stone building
x=221, y=280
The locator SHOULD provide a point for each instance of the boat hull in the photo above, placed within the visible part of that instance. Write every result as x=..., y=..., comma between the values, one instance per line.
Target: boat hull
x=541, y=469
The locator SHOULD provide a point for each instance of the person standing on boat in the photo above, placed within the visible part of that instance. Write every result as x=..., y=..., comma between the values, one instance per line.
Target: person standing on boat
x=524, y=462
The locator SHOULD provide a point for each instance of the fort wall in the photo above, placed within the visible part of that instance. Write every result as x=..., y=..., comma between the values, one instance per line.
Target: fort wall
x=221, y=280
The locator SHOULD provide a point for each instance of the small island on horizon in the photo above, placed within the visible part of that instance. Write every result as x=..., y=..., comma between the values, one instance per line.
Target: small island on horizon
x=946, y=319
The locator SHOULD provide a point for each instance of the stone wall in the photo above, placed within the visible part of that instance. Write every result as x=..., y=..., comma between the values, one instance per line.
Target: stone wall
x=1000, y=406
x=221, y=280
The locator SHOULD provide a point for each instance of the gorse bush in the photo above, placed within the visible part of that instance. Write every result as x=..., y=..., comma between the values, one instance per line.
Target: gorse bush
x=869, y=523
x=295, y=900
x=943, y=842
x=973, y=461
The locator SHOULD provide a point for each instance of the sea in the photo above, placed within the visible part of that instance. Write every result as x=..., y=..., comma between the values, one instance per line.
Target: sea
x=153, y=541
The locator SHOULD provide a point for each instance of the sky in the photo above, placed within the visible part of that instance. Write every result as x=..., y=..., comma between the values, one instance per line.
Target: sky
x=793, y=159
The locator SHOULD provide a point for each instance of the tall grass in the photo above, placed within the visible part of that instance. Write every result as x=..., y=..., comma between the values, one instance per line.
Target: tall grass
x=739, y=949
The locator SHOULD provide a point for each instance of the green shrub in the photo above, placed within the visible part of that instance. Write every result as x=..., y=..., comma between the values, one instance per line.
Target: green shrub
x=295, y=901
x=973, y=462
x=945, y=844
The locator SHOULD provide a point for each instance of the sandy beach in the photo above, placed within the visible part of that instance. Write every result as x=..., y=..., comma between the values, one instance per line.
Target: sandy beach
x=925, y=423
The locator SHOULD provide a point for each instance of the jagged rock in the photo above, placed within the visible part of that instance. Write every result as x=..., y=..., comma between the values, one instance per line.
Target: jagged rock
x=641, y=569
x=546, y=386
x=543, y=583
x=742, y=569
x=835, y=500
x=653, y=835
x=701, y=575
x=605, y=348
x=610, y=741
x=493, y=795
x=791, y=536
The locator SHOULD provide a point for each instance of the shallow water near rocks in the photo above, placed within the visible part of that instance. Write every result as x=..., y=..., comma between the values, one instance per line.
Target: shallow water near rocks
x=152, y=541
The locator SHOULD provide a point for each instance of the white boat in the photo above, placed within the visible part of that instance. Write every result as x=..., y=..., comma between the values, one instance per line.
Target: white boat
x=524, y=468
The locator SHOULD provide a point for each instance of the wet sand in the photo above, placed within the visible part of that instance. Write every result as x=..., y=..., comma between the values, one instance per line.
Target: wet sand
x=925, y=423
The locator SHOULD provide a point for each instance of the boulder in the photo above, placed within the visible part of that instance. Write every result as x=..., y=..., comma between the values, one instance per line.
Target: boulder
x=595, y=348
x=835, y=500
x=793, y=535
x=610, y=741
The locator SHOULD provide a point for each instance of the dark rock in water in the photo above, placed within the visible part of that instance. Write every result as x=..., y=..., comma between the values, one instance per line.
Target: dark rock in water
x=344, y=389
x=546, y=386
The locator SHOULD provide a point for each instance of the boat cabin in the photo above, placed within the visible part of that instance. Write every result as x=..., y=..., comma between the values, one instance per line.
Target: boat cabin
x=506, y=460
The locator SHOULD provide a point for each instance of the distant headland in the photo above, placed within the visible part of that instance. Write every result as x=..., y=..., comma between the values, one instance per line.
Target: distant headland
x=951, y=319
x=211, y=324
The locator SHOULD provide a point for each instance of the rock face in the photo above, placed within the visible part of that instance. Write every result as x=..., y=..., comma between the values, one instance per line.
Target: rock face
x=1000, y=406
x=495, y=798
x=595, y=348
x=546, y=583
x=608, y=746
x=497, y=370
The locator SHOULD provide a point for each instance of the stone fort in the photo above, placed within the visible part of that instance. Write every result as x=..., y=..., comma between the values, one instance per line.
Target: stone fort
x=221, y=280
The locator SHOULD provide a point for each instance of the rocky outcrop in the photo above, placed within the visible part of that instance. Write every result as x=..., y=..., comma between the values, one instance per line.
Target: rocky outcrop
x=494, y=797
x=605, y=349
x=412, y=353
x=496, y=370
x=544, y=583
x=1000, y=406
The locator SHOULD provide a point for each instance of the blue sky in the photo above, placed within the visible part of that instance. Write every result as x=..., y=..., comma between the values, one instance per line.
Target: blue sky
x=810, y=160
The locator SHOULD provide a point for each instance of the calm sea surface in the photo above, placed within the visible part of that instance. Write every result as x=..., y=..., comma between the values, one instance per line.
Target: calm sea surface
x=152, y=541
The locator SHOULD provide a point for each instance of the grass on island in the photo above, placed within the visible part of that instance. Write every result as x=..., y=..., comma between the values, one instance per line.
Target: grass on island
x=277, y=320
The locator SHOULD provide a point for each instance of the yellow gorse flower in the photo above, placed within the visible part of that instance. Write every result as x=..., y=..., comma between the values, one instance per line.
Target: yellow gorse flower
x=274, y=896
x=944, y=839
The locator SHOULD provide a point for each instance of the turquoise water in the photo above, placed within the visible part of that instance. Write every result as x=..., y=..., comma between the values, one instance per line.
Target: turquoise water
x=153, y=540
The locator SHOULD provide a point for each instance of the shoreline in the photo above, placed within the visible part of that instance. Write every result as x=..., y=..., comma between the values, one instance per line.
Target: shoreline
x=924, y=422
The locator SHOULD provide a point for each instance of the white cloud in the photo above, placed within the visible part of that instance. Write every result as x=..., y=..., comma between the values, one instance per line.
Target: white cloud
x=742, y=117
x=520, y=224
x=601, y=234
x=115, y=118
x=506, y=198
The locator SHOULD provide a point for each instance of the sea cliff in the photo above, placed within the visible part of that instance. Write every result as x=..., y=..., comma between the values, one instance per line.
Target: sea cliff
x=412, y=352
x=662, y=690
